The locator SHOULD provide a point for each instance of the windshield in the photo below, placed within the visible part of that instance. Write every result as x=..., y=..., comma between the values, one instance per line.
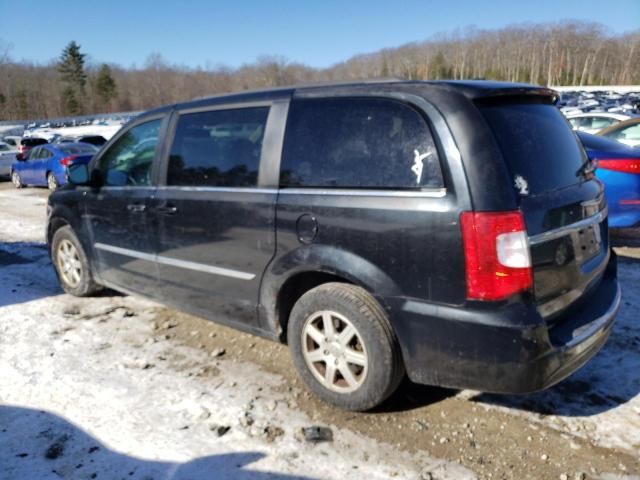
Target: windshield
x=537, y=144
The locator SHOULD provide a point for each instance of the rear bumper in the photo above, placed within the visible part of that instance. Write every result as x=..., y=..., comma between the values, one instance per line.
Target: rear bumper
x=505, y=349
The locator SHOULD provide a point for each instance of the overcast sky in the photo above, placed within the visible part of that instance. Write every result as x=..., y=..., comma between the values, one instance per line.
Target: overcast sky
x=319, y=33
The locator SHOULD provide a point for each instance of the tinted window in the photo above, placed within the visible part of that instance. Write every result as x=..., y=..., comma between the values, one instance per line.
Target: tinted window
x=78, y=149
x=4, y=147
x=537, y=144
x=44, y=153
x=218, y=148
x=31, y=142
x=358, y=142
x=93, y=140
x=129, y=160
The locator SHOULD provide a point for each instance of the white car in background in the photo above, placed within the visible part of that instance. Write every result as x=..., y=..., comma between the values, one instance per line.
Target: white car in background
x=7, y=158
x=593, y=122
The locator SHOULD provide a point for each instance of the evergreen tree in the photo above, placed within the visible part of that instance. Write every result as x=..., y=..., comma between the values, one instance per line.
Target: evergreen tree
x=71, y=69
x=105, y=85
x=71, y=66
x=70, y=104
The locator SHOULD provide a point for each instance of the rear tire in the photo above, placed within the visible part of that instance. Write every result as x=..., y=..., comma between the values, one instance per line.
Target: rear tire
x=343, y=346
x=16, y=180
x=52, y=182
x=71, y=264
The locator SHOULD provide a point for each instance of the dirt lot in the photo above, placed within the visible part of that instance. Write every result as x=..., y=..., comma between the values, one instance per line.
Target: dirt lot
x=147, y=382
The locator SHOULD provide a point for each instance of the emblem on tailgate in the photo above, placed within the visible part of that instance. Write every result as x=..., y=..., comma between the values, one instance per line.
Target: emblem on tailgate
x=521, y=185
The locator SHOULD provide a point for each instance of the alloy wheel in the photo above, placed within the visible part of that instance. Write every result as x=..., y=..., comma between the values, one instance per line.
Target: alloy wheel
x=334, y=351
x=69, y=264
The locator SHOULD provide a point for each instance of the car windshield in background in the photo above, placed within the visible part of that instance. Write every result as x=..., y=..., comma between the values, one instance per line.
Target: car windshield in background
x=78, y=149
x=537, y=144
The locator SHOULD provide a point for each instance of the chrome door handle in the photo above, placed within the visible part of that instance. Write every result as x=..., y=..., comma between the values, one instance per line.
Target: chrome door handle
x=167, y=210
x=136, y=207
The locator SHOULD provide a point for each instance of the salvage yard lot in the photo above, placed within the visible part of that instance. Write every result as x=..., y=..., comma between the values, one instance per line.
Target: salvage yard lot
x=115, y=387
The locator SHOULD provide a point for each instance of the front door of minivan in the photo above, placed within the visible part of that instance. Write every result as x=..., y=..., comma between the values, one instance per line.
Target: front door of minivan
x=215, y=217
x=117, y=213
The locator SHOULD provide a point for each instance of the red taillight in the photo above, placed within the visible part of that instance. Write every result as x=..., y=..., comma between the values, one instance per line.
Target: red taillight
x=66, y=161
x=625, y=165
x=496, y=253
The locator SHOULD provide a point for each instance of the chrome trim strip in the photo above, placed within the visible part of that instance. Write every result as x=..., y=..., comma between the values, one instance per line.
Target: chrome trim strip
x=568, y=229
x=174, y=262
x=435, y=193
x=272, y=191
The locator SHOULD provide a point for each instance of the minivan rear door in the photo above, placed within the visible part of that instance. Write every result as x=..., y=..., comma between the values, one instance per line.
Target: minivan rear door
x=215, y=209
x=564, y=207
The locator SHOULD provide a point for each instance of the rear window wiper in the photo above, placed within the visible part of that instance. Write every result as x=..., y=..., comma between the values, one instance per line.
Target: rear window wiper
x=587, y=169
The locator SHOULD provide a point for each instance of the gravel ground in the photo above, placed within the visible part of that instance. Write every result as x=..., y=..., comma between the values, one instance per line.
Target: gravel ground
x=586, y=427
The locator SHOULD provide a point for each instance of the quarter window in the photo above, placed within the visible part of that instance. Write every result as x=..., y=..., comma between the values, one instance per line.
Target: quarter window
x=358, y=143
x=129, y=160
x=218, y=148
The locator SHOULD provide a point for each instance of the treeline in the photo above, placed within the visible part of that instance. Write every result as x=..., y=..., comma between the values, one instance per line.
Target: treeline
x=567, y=53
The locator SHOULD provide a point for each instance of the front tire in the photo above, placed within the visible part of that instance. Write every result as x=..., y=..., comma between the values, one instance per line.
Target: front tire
x=16, y=180
x=343, y=346
x=71, y=264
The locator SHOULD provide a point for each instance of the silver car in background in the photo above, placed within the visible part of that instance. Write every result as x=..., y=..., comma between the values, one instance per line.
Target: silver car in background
x=7, y=158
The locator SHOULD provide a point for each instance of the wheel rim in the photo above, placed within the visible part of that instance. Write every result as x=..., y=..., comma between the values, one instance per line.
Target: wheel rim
x=16, y=179
x=51, y=180
x=334, y=351
x=69, y=264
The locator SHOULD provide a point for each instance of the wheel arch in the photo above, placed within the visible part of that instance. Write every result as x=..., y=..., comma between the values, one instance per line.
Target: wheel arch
x=292, y=275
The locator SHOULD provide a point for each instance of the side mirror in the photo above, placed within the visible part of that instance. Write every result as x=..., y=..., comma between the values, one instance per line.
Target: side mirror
x=78, y=174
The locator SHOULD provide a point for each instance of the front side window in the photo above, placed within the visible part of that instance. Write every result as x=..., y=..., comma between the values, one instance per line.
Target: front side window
x=218, y=148
x=129, y=160
x=358, y=143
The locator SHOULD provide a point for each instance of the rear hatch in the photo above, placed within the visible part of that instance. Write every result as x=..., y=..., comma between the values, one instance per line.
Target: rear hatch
x=564, y=210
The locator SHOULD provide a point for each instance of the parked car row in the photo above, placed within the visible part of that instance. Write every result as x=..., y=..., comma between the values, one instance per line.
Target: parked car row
x=575, y=102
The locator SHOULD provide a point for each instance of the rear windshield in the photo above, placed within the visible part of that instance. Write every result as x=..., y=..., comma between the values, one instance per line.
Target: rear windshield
x=537, y=144
x=78, y=149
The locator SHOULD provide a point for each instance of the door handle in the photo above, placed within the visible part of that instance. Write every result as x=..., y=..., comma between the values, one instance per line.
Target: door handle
x=167, y=209
x=136, y=207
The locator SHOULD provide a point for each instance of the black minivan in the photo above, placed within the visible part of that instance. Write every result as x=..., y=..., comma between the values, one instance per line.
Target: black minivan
x=448, y=231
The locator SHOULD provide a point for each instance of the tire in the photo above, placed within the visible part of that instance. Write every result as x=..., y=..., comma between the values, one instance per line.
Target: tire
x=52, y=182
x=365, y=352
x=71, y=264
x=17, y=181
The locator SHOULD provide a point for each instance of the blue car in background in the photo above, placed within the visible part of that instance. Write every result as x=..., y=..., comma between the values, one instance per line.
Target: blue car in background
x=46, y=165
x=619, y=170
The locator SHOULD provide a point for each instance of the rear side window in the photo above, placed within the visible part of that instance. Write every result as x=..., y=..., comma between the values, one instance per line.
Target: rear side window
x=218, y=148
x=537, y=144
x=358, y=143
